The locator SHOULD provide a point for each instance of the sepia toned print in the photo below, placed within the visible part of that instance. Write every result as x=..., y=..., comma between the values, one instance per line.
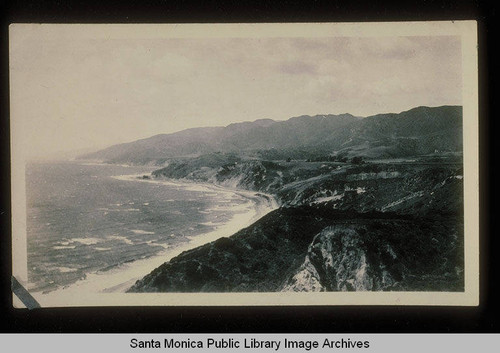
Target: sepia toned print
x=265, y=164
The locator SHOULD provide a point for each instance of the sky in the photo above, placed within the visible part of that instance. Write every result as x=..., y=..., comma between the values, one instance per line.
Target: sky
x=82, y=94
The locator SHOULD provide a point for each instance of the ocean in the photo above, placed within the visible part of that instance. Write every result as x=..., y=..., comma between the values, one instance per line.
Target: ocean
x=101, y=227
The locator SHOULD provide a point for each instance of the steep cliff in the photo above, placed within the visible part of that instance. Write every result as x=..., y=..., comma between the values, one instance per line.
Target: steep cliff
x=408, y=188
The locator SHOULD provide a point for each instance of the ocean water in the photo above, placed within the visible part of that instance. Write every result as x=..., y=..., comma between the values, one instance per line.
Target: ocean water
x=85, y=221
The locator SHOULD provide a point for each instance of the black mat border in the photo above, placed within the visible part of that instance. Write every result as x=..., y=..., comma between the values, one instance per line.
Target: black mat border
x=340, y=319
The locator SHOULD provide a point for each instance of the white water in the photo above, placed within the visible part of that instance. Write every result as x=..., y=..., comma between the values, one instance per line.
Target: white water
x=124, y=276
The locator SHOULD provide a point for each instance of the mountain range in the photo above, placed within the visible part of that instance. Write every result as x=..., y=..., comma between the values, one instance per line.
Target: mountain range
x=418, y=131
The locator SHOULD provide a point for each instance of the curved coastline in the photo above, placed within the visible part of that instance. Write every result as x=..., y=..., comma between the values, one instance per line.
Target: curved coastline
x=264, y=203
x=124, y=276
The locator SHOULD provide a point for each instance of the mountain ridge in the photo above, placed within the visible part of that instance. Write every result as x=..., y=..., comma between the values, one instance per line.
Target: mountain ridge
x=419, y=130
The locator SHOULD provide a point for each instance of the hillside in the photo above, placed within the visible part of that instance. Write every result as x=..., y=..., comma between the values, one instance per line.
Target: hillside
x=316, y=249
x=341, y=227
x=418, y=131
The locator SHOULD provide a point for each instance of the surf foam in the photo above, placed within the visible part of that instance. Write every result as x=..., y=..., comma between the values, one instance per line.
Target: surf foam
x=122, y=277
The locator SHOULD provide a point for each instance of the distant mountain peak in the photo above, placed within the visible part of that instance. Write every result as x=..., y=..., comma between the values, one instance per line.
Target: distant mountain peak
x=264, y=122
x=422, y=108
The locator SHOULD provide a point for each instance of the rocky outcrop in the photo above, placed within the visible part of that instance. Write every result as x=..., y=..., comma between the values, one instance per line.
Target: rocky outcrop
x=337, y=261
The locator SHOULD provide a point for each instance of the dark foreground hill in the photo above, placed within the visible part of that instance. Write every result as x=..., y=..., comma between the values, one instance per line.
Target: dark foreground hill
x=418, y=131
x=314, y=249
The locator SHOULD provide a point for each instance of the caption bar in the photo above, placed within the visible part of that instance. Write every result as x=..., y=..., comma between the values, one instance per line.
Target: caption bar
x=60, y=343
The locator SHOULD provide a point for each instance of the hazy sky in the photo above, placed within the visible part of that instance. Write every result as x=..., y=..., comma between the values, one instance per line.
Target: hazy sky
x=90, y=93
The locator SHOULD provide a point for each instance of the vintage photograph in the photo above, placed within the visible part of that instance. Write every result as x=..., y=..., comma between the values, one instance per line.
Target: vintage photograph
x=259, y=164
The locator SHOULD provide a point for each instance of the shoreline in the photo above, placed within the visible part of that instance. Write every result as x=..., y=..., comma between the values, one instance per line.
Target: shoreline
x=190, y=185
x=121, y=278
